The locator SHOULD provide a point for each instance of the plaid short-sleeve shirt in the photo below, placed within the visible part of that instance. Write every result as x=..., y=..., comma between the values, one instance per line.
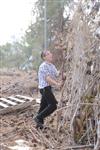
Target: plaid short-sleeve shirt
x=46, y=69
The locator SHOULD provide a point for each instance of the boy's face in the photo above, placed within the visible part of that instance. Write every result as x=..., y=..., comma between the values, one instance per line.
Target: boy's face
x=48, y=56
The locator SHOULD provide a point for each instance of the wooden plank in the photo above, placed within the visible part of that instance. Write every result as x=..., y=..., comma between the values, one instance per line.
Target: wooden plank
x=24, y=102
x=25, y=97
x=8, y=101
x=15, y=108
x=3, y=105
x=16, y=99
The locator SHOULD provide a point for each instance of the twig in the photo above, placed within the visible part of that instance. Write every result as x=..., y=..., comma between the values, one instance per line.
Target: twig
x=98, y=138
x=74, y=115
x=78, y=147
x=43, y=139
x=46, y=141
x=34, y=136
x=69, y=105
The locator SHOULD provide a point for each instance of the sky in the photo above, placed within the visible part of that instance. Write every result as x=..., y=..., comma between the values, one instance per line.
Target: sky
x=15, y=17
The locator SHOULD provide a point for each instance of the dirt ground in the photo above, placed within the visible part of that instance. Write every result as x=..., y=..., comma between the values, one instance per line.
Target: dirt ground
x=17, y=129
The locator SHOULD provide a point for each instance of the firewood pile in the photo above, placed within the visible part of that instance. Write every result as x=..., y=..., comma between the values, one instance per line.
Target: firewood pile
x=80, y=96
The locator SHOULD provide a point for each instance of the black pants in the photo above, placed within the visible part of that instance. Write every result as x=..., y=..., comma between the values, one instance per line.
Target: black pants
x=48, y=103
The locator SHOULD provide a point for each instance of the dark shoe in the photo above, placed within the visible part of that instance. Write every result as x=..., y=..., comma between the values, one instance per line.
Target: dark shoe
x=39, y=126
x=39, y=123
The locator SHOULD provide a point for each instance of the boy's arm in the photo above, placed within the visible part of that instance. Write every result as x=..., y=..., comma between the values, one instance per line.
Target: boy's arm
x=53, y=82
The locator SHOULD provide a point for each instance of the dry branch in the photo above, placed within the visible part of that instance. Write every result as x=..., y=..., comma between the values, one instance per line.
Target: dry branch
x=97, y=146
x=79, y=147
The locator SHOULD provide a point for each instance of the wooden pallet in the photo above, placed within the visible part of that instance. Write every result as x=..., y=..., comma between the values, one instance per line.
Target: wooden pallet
x=13, y=103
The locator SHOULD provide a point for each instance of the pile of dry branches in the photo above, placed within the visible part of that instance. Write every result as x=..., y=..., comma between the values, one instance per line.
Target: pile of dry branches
x=80, y=97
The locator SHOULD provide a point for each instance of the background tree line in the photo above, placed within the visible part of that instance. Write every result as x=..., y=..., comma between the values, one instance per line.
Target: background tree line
x=18, y=53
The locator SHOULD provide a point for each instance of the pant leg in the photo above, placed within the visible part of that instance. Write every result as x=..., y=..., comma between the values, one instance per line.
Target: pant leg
x=51, y=101
x=43, y=105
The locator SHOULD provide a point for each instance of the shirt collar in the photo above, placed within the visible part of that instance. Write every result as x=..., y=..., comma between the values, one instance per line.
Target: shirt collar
x=48, y=63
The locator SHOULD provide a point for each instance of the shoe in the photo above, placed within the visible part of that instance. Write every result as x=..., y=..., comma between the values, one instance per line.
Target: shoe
x=39, y=123
x=39, y=126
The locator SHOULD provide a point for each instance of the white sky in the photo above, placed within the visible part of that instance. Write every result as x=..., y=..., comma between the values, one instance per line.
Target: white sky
x=15, y=16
